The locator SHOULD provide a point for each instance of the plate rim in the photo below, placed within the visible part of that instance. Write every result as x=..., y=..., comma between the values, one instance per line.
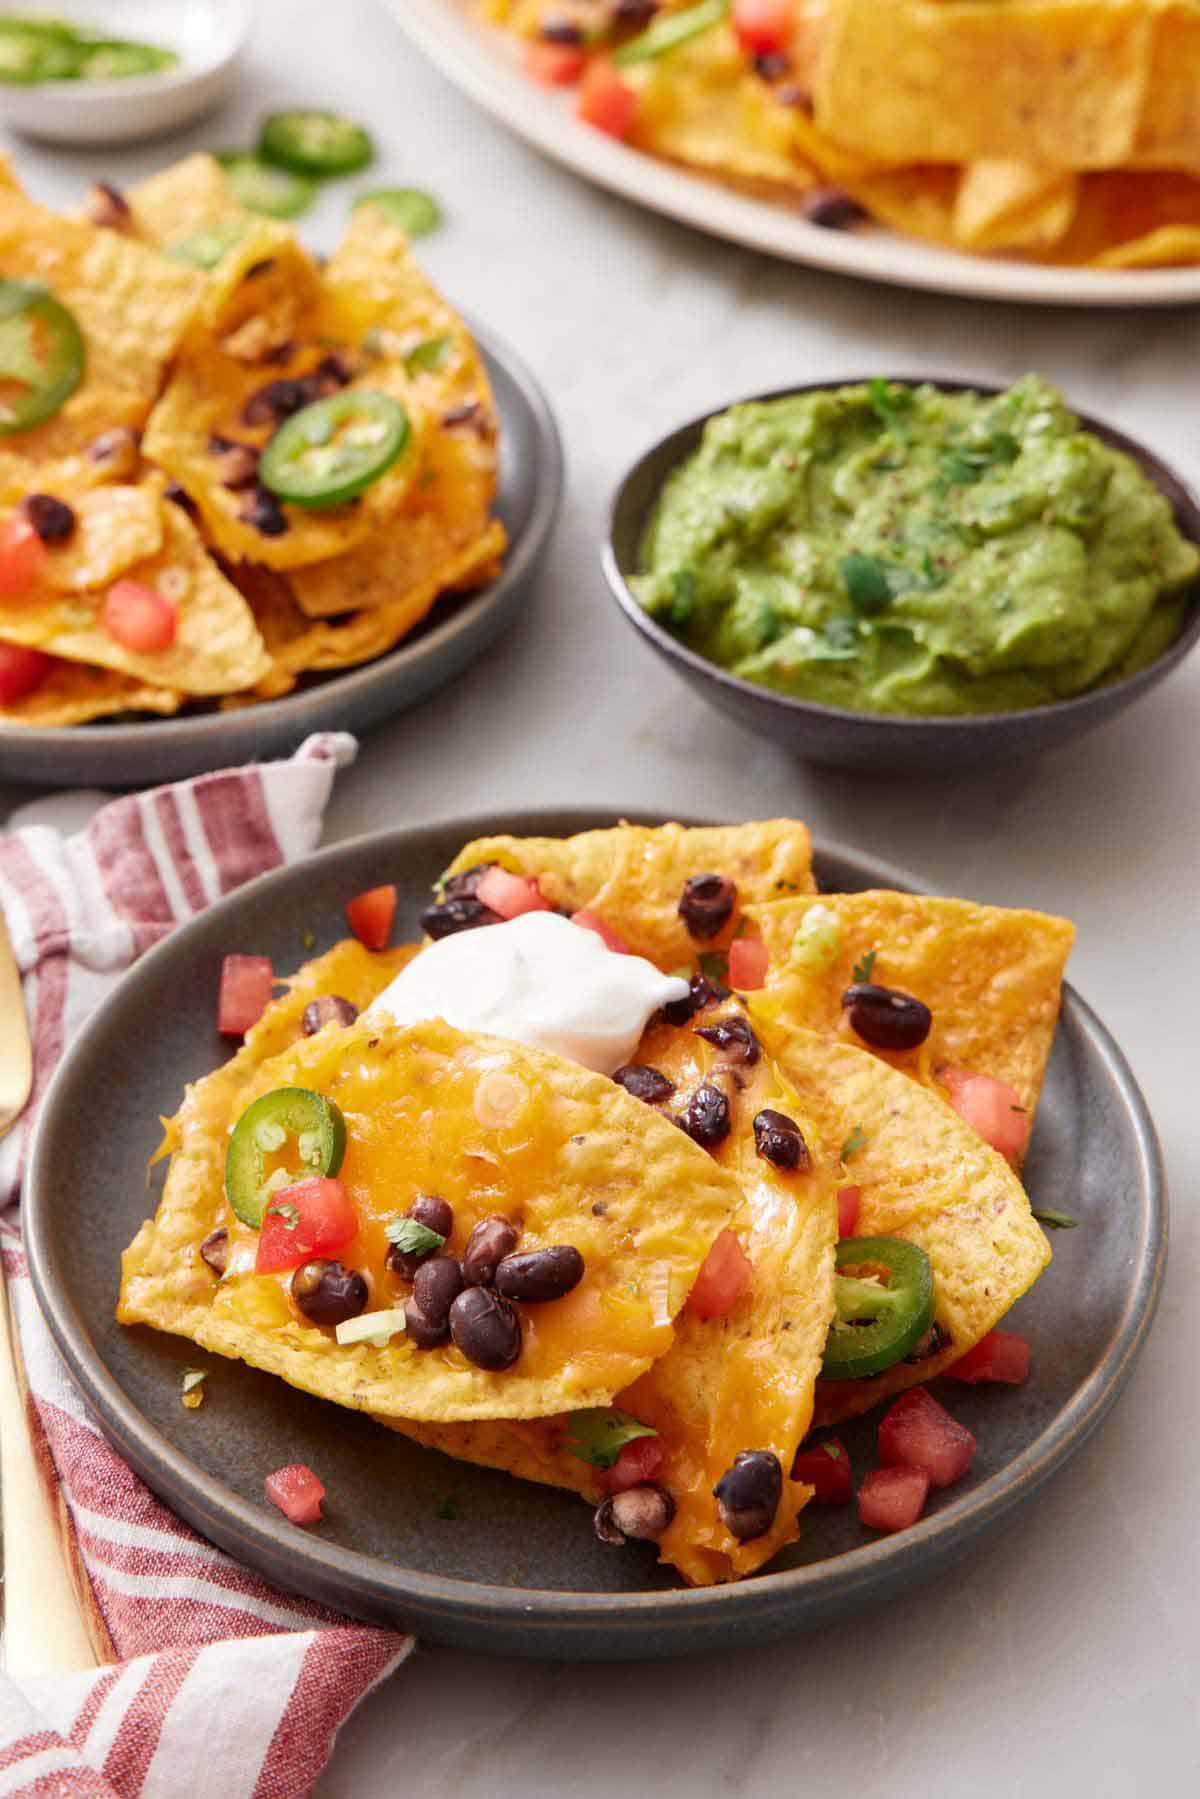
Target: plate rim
x=293, y=709
x=445, y=1604
x=471, y=57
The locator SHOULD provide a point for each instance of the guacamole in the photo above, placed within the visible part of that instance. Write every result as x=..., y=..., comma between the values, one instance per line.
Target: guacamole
x=894, y=549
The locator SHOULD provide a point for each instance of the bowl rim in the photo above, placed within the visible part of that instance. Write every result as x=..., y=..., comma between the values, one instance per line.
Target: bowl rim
x=236, y=15
x=1164, y=475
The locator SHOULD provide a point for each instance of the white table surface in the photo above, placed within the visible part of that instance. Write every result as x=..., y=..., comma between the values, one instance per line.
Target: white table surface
x=1062, y=1658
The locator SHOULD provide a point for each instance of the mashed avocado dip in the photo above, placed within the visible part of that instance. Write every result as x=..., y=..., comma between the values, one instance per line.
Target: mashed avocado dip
x=894, y=549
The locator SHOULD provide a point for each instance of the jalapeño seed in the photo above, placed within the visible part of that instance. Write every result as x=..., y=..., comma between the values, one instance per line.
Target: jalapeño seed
x=885, y=1018
x=748, y=1494
x=734, y=1036
x=540, y=1274
x=644, y=1083
x=778, y=1139
x=706, y=904
x=486, y=1329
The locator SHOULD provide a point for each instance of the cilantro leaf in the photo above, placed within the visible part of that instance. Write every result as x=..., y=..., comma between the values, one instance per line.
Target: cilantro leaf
x=865, y=579
x=598, y=1435
x=715, y=964
x=429, y=354
x=838, y=641
x=861, y=972
x=683, y=597
x=1056, y=1221
x=854, y=1142
x=411, y=1237
x=890, y=405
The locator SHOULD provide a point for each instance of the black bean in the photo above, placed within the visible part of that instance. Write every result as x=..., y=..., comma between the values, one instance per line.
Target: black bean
x=790, y=93
x=278, y=400
x=331, y=1008
x=107, y=206
x=540, y=1274
x=215, y=1250
x=492, y=1239
x=328, y=1293
x=734, y=1037
x=885, y=1018
x=706, y=1118
x=771, y=65
x=644, y=1083
x=779, y=1139
x=426, y=1332
x=52, y=519
x=486, y=1329
x=262, y=510
x=436, y=1215
x=701, y=994
x=436, y=1285
x=831, y=207
x=642, y=1512
x=452, y=915
x=706, y=904
x=333, y=371
x=748, y=1494
x=180, y=497
x=465, y=882
x=556, y=29
x=237, y=465
x=634, y=12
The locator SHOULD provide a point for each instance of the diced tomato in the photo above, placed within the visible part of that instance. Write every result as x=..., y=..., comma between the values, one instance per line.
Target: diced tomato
x=639, y=1461
x=313, y=1218
x=748, y=963
x=371, y=914
x=892, y=1498
x=139, y=617
x=724, y=1275
x=297, y=1492
x=991, y=1107
x=762, y=27
x=21, y=671
x=555, y=65
x=22, y=558
x=606, y=100
x=510, y=895
x=247, y=983
x=591, y=921
x=826, y=1469
x=917, y=1432
x=1000, y=1356
x=848, y=1201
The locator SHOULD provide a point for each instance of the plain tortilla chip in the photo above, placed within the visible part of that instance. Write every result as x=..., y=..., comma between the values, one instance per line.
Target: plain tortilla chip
x=1129, y=219
x=1013, y=206
x=74, y=693
x=217, y=647
x=633, y=876
x=566, y=1153
x=188, y=197
x=990, y=975
x=114, y=528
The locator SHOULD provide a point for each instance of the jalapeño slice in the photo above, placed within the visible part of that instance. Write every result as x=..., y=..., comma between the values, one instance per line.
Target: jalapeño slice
x=301, y=1132
x=415, y=212
x=315, y=143
x=42, y=355
x=261, y=188
x=883, y=1299
x=206, y=247
x=331, y=450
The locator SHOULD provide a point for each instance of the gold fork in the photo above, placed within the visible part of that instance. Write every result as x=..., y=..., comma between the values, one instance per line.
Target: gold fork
x=44, y=1631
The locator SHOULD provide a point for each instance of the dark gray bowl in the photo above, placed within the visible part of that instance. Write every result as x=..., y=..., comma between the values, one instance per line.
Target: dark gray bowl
x=135, y=751
x=516, y=1570
x=871, y=740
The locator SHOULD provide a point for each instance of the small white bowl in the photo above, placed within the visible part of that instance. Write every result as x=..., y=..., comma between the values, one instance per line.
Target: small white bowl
x=207, y=35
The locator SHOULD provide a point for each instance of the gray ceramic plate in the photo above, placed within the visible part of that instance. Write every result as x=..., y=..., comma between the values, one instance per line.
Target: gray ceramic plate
x=135, y=751
x=516, y=1569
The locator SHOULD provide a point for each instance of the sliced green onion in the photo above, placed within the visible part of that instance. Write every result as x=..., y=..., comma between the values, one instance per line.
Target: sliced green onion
x=372, y=1327
x=669, y=32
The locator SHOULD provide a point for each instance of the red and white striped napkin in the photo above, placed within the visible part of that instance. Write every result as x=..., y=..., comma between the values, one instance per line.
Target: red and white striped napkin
x=219, y=1687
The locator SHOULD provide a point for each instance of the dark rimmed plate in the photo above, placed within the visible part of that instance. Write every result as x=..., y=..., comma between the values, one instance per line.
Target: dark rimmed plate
x=515, y=1570
x=132, y=751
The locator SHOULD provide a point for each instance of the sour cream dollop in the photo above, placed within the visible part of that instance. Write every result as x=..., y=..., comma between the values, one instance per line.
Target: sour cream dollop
x=537, y=979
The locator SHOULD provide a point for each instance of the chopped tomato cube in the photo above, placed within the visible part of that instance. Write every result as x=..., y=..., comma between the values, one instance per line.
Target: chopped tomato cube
x=991, y=1107
x=591, y=921
x=371, y=914
x=724, y=1276
x=638, y=1462
x=748, y=963
x=297, y=1492
x=606, y=100
x=556, y=65
x=21, y=671
x=313, y=1218
x=848, y=1201
x=510, y=895
x=22, y=558
x=1000, y=1356
x=892, y=1498
x=762, y=27
x=247, y=983
x=139, y=617
x=917, y=1432
x=826, y=1469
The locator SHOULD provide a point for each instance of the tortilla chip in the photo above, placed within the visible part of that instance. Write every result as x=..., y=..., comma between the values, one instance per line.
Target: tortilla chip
x=217, y=647
x=632, y=876
x=188, y=197
x=575, y=1160
x=1134, y=219
x=114, y=528
x=131, y=305
x=991, y=976
x=1169, y=129
x=73, y=692
x=1013, y=206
